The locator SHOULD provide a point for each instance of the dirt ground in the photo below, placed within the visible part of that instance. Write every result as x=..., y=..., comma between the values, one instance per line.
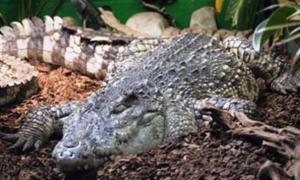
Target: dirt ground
x=209, y=154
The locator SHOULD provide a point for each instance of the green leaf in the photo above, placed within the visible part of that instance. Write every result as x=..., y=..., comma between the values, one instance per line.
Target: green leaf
x=296, y=62
x=41, y=7
x=278, y=27
x=288, y=39
x=270, y=8
x=258, y=37
x=2, y=20
x=279, y=16
x=295, y=30
x=297, y=13
x=234, y=10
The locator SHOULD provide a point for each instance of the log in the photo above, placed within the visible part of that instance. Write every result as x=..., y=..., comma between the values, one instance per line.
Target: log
x=286, y=141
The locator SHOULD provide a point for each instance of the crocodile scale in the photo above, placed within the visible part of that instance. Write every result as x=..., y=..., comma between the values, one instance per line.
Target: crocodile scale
x=93, y=53
x=18, y=79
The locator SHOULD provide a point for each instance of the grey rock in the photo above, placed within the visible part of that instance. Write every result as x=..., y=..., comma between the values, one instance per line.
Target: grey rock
x=204, y=18
x=151, y=23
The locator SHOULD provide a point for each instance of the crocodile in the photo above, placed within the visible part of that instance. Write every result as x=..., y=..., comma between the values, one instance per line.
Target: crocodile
x=154, y=98
x=90, y=52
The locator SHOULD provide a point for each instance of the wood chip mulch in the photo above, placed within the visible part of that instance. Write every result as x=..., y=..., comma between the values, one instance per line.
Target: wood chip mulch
x=209, y=154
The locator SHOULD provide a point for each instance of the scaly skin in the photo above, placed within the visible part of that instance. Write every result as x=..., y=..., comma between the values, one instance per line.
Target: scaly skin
x=93, y=53
x=18, y=79
x=87, y=51
x=266, y=64
x=150, y=100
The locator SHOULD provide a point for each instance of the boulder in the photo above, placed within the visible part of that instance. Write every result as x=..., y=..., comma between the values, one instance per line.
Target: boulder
x=204, y=18
x=151, y=23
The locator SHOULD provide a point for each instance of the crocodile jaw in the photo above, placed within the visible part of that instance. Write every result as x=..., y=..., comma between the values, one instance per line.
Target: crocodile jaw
x=91, y=138
x=75, y=158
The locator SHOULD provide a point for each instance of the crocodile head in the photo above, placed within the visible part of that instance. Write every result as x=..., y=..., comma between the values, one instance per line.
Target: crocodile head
x=119, y=122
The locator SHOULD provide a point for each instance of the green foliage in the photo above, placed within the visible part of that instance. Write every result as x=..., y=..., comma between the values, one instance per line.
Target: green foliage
x=2, y=20
x=27, y=8
x=85, y=8
x=274, y=25
x=284, y=20
x=89, y=13
x=241, y=13
x=234, y=11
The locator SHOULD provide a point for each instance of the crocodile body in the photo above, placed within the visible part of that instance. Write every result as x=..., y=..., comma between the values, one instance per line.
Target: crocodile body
x=154, y=98
x=90, y=52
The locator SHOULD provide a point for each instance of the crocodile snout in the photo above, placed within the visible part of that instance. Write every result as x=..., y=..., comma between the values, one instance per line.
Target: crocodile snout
x=70, y=144
x=68, y=151
x=66, y=155
x=73, y=155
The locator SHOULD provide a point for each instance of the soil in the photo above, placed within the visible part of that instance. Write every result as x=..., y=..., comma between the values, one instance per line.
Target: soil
x=208, y=154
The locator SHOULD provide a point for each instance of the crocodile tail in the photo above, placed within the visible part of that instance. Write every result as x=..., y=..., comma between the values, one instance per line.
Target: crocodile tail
x=49, y=41
x=26, y=39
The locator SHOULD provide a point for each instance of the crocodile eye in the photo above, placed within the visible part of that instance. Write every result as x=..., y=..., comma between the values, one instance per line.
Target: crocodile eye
x=124, y=102
x=119, y=108
x=129, y=99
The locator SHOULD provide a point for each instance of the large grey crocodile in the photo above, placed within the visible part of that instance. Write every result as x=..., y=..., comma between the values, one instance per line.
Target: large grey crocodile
x=154, y=98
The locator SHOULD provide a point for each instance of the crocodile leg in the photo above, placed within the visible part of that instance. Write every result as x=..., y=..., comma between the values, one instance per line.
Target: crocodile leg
x=39, y=125
x=287, y=82
x=266, y=64
x=179, y=121
x=228, y=104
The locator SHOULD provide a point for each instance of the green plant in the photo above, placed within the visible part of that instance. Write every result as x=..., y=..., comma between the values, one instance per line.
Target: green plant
x=241, y=13
x=235, y=11
x=28, y=8
x=2, y=20
x=85, y=8
x=281, y=27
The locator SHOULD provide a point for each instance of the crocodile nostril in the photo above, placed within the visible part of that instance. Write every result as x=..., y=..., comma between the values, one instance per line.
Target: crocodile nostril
x=66, y=155
x=70, y=143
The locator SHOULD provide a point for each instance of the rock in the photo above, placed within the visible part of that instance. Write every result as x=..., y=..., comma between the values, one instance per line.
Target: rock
x=203, y=18
x=171, y=31
x=69, y=21
x=151, y=23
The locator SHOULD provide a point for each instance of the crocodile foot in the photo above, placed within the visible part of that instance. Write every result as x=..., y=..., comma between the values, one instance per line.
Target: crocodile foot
x=286, y=83
x=34, y=132
x=230, y=105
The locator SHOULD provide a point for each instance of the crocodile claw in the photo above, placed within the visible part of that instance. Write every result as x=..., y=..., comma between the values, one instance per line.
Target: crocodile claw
x=21, y=141
x=286, y=83
x=36, y=129
x=8, y=137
